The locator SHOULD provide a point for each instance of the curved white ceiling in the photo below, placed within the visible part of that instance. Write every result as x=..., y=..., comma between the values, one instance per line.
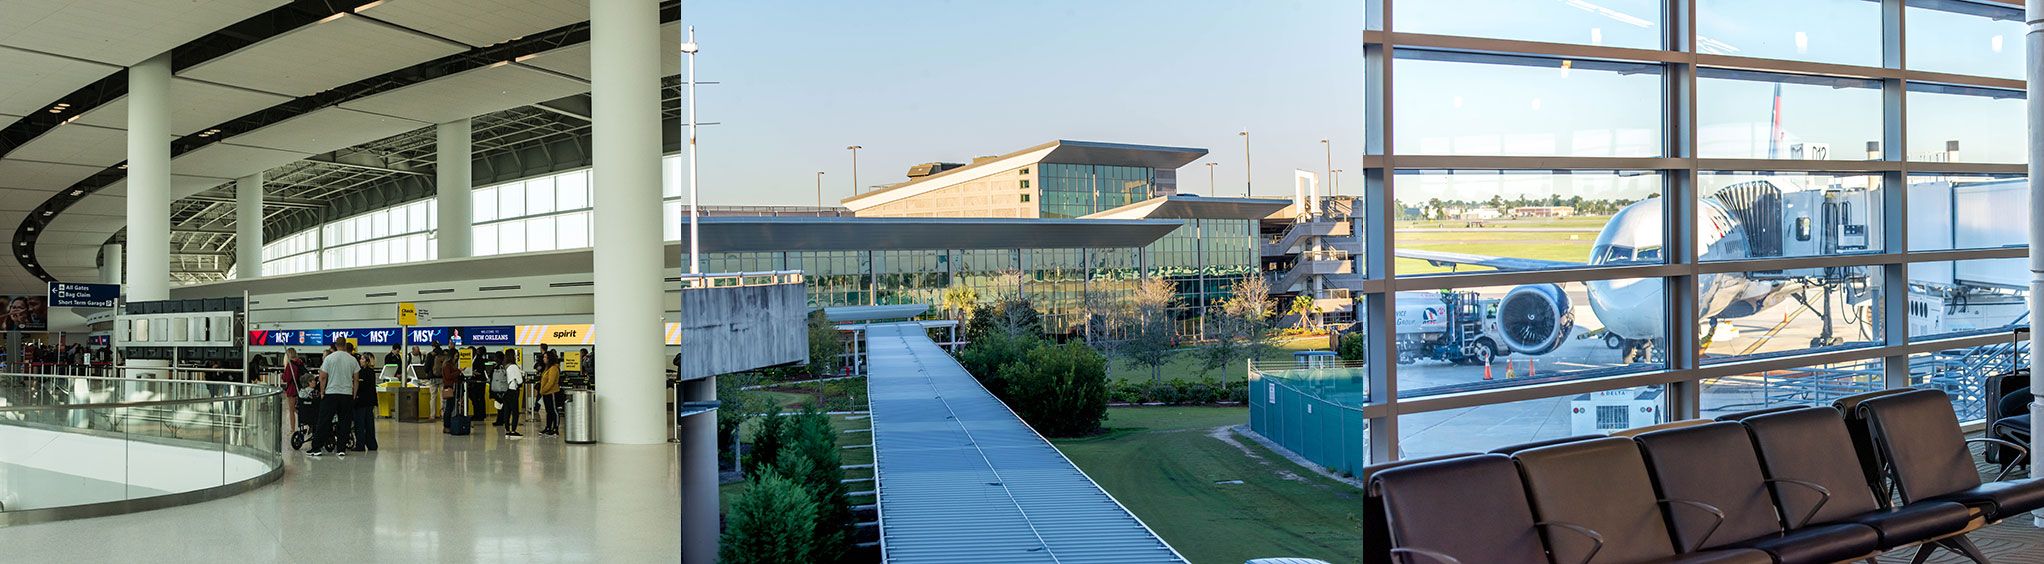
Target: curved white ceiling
x=53, y=49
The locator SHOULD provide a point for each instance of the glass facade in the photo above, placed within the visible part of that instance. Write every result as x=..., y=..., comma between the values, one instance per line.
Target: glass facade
x=1075, y=190
x=1536, y=160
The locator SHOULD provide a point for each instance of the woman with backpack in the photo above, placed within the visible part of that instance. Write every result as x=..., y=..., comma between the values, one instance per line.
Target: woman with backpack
x=512, y=378
x=365, y=405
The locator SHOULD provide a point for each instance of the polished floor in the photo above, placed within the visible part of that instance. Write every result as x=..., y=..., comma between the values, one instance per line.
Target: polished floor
x=422, y=497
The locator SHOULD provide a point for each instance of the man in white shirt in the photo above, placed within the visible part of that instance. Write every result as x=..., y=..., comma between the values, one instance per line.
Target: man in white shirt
x=337, y=379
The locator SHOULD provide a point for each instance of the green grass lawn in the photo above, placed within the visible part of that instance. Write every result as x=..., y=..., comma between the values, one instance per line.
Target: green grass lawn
x=1162, y=464
x=1186, y=365
x=1536, y=245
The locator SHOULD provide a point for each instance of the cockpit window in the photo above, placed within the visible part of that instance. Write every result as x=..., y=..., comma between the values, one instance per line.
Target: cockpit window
x=1649, y=254
x=1611, y=254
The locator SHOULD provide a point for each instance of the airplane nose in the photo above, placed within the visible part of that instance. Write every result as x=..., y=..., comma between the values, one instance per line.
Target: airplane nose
x=1630, y=308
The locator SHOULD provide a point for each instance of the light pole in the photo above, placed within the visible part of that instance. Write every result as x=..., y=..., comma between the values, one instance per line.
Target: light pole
x=1330, y=163
x=1211, y=189
x=1248, y=177
x=855, y=167
x=1333, y=181
x=695, y=254
x=819, y=192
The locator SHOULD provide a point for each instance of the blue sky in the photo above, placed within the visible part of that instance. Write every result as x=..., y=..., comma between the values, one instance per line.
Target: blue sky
x=926, y=80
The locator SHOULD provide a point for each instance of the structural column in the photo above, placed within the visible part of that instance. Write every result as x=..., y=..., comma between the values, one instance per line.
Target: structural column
x=149, y=180
x=625, y=51
x=110, y=257
x=457, y=189
x=2033, y=14
x=248, y=226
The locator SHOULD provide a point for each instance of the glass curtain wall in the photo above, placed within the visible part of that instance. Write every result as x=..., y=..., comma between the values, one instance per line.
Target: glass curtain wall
x=1071, y=190
x=1721, y=194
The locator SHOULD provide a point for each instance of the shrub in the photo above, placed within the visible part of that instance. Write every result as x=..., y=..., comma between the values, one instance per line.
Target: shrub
x=1353, y=347
x=987, y=356
x=1060, y=390
x=773, y=521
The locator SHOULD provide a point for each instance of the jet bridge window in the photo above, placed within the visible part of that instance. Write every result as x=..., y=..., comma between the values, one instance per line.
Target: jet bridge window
x=1803, y=228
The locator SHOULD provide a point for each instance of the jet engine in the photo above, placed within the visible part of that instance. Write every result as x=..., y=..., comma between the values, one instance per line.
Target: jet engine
x=1535, y=318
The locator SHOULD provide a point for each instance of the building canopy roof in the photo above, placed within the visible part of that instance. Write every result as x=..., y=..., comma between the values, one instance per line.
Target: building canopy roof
x=1059, y=151
x=754, y=234
x=1196, y=207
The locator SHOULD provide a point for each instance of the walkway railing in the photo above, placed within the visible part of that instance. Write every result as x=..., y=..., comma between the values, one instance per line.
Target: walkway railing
x=79, y=446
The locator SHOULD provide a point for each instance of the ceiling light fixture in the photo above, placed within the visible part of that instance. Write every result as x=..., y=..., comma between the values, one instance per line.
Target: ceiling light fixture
x=77, y=192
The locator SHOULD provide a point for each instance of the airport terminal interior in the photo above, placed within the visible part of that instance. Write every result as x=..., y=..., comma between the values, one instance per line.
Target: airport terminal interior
x=1611, y=281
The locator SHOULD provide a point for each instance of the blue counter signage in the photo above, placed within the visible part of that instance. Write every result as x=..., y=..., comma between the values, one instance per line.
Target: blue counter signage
x=498, y=335
x=68, y=294
x=383, y=337
x=288, y=338
x=365, y=337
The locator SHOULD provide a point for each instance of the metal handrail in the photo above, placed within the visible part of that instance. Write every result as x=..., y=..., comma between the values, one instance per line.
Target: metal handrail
x=272, y=391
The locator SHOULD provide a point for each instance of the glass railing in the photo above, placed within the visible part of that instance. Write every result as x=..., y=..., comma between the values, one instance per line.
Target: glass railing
x=76, y=446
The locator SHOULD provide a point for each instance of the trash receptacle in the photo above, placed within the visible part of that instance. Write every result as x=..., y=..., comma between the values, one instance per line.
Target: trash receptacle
x=580, y=427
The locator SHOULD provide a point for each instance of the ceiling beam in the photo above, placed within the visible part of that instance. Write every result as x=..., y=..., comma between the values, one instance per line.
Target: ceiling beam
x=345, y=162
x=278, y=202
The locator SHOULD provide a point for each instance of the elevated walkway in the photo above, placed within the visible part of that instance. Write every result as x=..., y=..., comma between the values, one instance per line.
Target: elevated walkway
x=962, y=479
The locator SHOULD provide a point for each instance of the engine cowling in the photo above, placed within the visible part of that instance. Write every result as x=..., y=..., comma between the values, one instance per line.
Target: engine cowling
x=1535, y=318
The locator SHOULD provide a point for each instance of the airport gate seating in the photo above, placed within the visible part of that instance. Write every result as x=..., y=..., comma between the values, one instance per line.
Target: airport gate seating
x=1873, y=474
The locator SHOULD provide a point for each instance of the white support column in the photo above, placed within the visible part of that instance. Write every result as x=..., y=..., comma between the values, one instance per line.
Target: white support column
x=110, y=257
x=2034, y=15
x=457, y=189
x=625, y=51
x=248, y=226
x=149, y=180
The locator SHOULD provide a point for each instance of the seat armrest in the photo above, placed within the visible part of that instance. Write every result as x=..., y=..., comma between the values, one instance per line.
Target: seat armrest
x=2022, y=453
x=1581, y=530
x=1714, y=512
x=1819, y=488
x=1431, y=555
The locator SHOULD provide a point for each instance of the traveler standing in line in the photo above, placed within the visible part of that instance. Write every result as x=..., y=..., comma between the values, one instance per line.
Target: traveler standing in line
x=550, y=394
x=450, y=380
x=479, y=382
x=337, y=376
x=365, y=404
x=293, y=394
x=514, y=378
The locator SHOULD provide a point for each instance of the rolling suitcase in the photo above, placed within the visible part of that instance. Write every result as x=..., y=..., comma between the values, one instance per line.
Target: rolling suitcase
x=458, y=426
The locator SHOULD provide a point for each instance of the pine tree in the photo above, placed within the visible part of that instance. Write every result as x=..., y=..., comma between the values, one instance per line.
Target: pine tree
x=767, y=441
x=772, y=522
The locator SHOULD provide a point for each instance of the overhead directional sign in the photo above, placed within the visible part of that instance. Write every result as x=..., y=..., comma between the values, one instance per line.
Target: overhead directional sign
x=69, y=294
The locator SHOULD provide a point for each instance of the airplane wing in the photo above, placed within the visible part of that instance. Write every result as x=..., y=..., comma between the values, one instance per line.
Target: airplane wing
x=1444, y=258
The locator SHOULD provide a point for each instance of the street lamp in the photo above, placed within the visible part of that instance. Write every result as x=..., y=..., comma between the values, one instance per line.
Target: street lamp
x=1333, y=181
x=1211, y=190
x=1330, y=163
x=695, y=256
x=855, y=167
x=819, y=193
x=1248, y=177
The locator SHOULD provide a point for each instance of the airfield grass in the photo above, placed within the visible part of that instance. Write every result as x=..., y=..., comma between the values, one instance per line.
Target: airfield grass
x=1163, y=465
x=1545, y=245
x=1185, y=364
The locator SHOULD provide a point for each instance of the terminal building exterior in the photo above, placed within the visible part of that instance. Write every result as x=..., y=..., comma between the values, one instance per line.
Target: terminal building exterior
x=1010, y=220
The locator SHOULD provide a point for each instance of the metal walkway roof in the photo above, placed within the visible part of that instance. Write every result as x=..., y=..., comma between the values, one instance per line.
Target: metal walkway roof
x=962, y=479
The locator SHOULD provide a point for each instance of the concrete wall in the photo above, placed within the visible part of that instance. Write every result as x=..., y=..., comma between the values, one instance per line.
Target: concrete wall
x=742, y=328
x=997, y=193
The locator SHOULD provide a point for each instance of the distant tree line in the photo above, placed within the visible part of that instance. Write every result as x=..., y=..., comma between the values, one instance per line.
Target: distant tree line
x=1436, y=208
